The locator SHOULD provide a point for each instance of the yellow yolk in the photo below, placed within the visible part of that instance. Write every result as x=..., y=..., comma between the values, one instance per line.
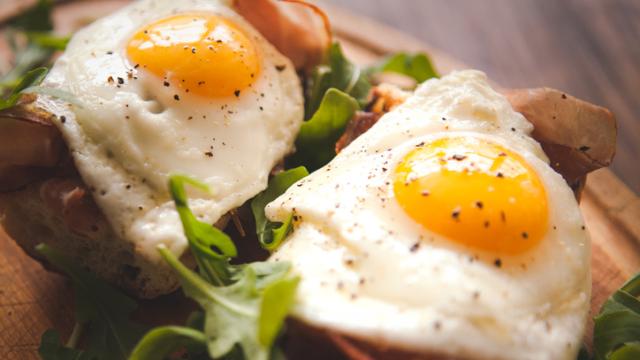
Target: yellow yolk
x=473, y=192
x=198, y=53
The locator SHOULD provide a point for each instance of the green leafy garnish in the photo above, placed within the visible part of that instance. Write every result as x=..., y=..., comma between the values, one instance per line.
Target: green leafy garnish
x=315, y=144
x=37, y=18
x=105, y=310
x=417, y=66
x=271, y=234
x=164, y=340
x=207, y=242
x=234, y=314
x=31, y=78
x=616, y=333
x=34, y=27
x=48, y=40
x=244, y=306
x=337, y=73
x=51, y=348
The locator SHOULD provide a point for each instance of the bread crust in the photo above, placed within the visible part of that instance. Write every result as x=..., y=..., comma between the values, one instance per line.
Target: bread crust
x=27, y=216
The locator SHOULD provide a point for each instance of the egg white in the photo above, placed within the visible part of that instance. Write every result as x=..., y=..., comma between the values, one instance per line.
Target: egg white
x=369, y=271
x=127, y=132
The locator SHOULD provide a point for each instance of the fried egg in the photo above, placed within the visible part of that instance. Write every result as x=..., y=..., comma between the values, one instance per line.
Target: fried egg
x=443, y=230
x=167, y=87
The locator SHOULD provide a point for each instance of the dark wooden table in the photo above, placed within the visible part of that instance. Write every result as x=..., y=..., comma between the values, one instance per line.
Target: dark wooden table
x=589, y=48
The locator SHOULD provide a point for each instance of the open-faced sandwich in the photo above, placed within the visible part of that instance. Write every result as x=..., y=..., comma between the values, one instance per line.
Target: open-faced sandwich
x=157, y=88
x=439, y=221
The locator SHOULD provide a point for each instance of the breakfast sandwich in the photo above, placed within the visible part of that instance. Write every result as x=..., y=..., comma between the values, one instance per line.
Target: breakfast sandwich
x=158, y=88
x=443, y=231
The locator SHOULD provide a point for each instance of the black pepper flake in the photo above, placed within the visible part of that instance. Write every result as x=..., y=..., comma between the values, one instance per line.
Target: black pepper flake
x=140, y=208
x=455, y=214
x=136, y=66
x=503, y=216
x=384, y=169
x=437, y=325
x=584, y=148
x=349, y=262
x=502, y=154
x=128, y=187
x=261, y=108
x=525, y=235
x=109, y=52
x=582, y=227
x=176, y=97
x=414, y=247
x=424, y=193
x=497, y=263
x=513, y=129
x=209, y=154
x=193, y=50
x=120, y=80
x=236, y=93
x=500, y=175
x=564, y=96
x=63, y=119
x=110, y=80
x=479, y=204
x=281, y=68
x=458, y=157
x=166, y=83
x=486, y=224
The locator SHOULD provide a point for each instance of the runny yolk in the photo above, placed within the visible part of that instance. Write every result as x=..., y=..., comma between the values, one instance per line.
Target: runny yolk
x=473, y=192
x=202, y=54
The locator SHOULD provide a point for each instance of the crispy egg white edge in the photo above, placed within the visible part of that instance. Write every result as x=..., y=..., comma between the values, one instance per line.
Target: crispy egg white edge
x=106, y=175
x=533, y=313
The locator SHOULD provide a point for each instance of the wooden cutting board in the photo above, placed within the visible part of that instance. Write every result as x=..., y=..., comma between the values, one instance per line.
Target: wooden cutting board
x=33, y=300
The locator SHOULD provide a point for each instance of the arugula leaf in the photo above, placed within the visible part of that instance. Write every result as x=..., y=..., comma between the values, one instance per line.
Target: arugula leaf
x=271, y=234
x=26, y=59
x=111, y=335
x=616, y=333
x=31, y=78
x=417, y=66
x=35, y=25
x=162, y=341
x=315, y=144
x=338, y=73
x=244, y=305
x=233, y=312
x=206, y=242
x=51, y=348
x=278, y=298
x=37, y=18
x=48, y=40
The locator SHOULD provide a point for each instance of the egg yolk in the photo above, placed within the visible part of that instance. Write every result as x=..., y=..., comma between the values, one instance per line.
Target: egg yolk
x=202, y=54
x=473, y=192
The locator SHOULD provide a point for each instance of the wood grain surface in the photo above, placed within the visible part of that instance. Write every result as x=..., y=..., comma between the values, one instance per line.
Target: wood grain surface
x=33, y=300
x=588, y=48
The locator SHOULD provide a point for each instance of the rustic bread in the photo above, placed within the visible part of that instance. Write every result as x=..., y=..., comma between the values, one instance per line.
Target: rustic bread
x=60, y=212
x=27, y=217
